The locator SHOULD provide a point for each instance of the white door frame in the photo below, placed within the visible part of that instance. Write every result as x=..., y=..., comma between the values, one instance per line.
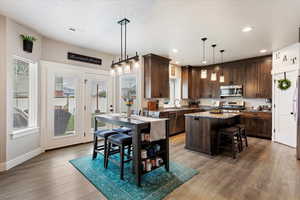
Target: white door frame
x=87, y=119
x=48, y=67
x=275, y=136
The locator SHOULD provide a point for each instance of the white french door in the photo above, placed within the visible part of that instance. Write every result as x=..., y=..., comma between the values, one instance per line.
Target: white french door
x=285, y=111
x=72, y=97
x=97, y=98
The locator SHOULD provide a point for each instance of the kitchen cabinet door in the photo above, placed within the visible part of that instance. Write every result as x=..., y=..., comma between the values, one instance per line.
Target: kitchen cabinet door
x=265, y=78
x=190, y=83
x=258, y=124
x=251, y=86
x=156, y=76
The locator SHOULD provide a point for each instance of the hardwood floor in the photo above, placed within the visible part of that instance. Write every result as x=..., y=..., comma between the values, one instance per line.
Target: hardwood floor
x=266, y=171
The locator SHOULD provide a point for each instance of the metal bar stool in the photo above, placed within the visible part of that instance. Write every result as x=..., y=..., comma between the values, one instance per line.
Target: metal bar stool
x=122, y=141
x=231, y=134
x=104, y=133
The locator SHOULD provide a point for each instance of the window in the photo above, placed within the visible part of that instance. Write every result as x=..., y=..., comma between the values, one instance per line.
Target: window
x=64, y=105
x=128, y=85
x=174, y=91
x=24, y=94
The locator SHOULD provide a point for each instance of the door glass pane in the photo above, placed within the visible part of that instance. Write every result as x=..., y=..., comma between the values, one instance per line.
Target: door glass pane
x=21, y=94
x=64, y=106
x=128, y=87
x=98, y=100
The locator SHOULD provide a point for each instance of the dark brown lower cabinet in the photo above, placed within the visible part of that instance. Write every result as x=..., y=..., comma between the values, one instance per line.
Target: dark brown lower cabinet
x=258, y=124
x=177, y=119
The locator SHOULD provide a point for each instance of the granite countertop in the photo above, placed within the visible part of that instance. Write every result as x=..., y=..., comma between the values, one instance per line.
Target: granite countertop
x=260, y=111
x=213, y=116
x=179, y=109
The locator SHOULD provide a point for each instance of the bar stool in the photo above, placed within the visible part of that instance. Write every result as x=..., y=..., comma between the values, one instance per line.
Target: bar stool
x=104, y=133
x=231, y=134
x=121, y=140
x=123, y=129
x=243, y=133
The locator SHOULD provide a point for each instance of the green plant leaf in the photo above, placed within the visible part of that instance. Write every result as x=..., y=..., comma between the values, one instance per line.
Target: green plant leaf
x=28, y=38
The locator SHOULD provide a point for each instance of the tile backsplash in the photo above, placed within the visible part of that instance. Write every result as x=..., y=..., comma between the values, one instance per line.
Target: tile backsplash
x=249, y=102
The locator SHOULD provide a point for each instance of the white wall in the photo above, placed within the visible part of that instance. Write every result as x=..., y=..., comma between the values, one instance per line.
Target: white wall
x=22, y=145
x=56, y=51
x=2, y=90
x=13, y=151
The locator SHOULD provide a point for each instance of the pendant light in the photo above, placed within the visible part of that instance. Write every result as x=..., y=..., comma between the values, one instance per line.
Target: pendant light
x=203, y=56
x=213, y=74
x=222, y=78
x=124, y=61
x=203, y=71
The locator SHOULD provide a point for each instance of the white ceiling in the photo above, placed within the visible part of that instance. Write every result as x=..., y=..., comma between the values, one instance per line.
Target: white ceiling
x=158, y=26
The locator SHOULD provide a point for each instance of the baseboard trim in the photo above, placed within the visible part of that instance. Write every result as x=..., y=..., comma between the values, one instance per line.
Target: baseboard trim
x=2, y=167
x=20, y=159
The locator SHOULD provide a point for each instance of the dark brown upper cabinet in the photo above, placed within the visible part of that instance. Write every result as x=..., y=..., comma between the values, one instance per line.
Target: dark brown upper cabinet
x=253, y=73
x=258, y=79
x=156, y=76
x=190, y=82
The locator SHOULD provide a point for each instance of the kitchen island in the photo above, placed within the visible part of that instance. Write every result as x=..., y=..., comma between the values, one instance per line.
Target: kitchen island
x=202, y=130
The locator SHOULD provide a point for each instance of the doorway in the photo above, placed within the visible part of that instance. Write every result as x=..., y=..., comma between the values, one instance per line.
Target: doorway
x=72, y=97
x=285, y=111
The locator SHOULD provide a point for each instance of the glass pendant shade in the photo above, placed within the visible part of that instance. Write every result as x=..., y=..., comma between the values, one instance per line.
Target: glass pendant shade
x=120, y=70
x=213, y=76
x=112, y=72
x=222, y=79
x=203, y=73
x=127, y=68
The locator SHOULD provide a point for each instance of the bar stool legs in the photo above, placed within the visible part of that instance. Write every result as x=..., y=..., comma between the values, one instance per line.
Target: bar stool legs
x=95, y=147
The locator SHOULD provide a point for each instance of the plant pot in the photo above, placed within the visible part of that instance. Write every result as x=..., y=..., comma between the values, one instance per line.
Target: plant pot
x=27, y=46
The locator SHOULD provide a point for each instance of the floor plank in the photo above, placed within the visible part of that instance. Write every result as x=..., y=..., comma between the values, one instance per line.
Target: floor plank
x=266, y=171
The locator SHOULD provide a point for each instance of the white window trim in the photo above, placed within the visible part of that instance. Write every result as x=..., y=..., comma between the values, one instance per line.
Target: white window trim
x=33, y=106
x=24, y=132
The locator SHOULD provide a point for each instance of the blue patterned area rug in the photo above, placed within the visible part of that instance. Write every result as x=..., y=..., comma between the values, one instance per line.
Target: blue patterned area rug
x=155, y=185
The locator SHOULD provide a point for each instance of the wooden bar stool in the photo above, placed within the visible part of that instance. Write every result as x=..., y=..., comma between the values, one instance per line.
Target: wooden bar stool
x=243, y=133
x=104, y=133
x=232, y=135
x=122, y=141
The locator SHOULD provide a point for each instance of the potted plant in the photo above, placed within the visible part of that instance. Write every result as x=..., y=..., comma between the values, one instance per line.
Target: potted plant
x=28, y=42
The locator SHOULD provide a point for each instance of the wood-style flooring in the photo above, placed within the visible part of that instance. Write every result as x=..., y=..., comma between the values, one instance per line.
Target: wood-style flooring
x=265, y=171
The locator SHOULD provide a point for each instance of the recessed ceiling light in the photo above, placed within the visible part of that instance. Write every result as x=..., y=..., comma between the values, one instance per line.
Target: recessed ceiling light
x=177, y=62
x=263, y=51
x=175, y=50
x=247, y=29
x=72, y=29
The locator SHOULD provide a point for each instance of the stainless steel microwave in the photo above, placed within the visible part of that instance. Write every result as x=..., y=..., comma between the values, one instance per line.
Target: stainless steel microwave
x=231, y=91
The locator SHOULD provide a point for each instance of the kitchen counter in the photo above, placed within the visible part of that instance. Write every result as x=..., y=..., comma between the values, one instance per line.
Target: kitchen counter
x=213, y=116
x=179, y=109
x=202, y=130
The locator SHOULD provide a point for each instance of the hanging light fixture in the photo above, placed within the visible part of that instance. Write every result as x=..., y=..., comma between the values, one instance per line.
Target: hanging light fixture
x=203, y=55
x=222, y=78
x=213, y=74
x=124, y=60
